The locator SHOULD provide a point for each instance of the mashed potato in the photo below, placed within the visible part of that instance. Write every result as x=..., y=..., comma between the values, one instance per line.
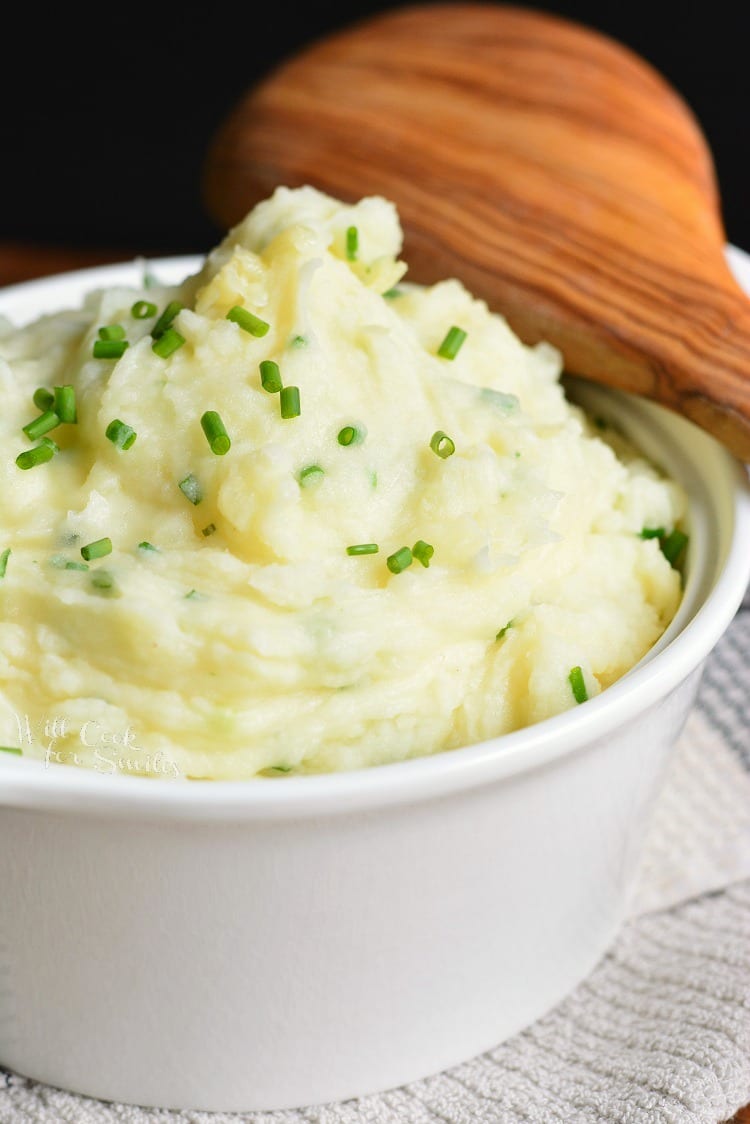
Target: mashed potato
x=417, y=544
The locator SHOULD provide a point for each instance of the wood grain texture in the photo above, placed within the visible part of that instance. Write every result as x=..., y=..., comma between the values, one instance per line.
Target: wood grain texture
x=549, y=167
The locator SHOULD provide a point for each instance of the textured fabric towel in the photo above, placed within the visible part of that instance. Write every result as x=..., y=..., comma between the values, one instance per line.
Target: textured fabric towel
x=659, y=1033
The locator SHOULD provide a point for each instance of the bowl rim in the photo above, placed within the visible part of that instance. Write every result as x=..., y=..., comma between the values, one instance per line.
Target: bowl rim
x=31, y=782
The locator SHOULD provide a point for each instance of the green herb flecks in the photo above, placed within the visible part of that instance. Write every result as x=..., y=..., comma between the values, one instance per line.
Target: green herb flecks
x=452, y=343
x=216, y=434
x=248, y=321
x=577, y=684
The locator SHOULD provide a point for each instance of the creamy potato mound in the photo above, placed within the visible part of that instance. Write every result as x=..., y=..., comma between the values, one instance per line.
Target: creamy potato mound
x=231, y=632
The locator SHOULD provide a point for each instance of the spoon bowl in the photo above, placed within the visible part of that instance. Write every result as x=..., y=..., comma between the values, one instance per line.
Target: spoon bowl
x=550, y=168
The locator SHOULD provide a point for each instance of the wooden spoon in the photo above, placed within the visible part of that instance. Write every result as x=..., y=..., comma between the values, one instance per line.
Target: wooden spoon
x=553, y=171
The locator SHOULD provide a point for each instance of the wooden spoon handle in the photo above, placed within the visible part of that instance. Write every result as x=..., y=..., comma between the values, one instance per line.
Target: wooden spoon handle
x=547, y=166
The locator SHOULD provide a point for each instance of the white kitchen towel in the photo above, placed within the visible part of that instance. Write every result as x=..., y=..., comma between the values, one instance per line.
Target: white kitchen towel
x=659, y=1033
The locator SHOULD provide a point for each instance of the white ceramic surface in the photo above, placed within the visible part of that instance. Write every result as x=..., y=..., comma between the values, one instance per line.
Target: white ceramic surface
x=258, y=945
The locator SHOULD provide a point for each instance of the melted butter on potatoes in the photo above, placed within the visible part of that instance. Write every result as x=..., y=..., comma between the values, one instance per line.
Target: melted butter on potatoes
x=232, y=630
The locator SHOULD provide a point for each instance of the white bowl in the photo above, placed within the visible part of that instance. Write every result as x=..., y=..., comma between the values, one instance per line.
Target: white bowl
x=245, y=945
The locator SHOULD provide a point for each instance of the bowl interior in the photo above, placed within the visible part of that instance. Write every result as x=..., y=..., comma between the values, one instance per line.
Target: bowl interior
x=716, y=576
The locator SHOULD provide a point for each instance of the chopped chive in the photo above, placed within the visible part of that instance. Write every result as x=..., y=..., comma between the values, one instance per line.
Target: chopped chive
x=423, y=552
x=577, y=684
x=103, y=579
x=673, y=545
x=311, y=476
x=50, y=444
x=165, y=320
x=247, y=321
x=143, y=310
x=298, y=341
x=194, y=595
x=4, y=561
x=65, y=404
x=41, y=425
x=191, y=489
x=442, y=444
x=272, y=768
x=363, y=548
x=389, y=294
x=270, y=376
x=148, y=546
x=98, y=549
x=40, y=454
x=452, y=343
x=109, y=349
x=209, y=530
x=75, y=566
x=120, y=434
x=352, y=435
x=150, y=280
x=352, y=243
x=11, y=749
x=43, y=399
x=653, y=533
x=167, y=343
x=503, y=630
x=216, y=434
x=399, y=561
x=112, y=332
x=289, y=402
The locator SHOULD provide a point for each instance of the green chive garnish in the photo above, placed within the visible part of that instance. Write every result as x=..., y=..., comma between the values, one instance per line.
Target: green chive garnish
x=247, y=321
x=673, y=545
x=148, y=546
x=194, y=595
x=577, y=685
x=442, y=444
x=109, y=349
x=165, y=320
x=11, y=749
x=653, y=533
x=112, y=332
x=40, y=454
x=289, y=402
x=120, y=434
x=423, y=552
x=209, y=530
x=298, y=341
x=352, y=435
x=41, y=425
x=503, y=630
x=270, y=376
x=191, y=489
x=50, y=444
x=103, y=579
x=311, y=475
x=363, y=548
x=43, y=399
x=216, y=434
x=352, y=243
x=143, y=310
x=75, y=566
x=4, y=561
x=65, y=404
x=399, y=561
x=452, y=343
x=98, y=549
x=390, y=294
x=167, y=343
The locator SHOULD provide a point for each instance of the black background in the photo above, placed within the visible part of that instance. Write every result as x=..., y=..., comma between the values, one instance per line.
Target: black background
x=105, y=122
